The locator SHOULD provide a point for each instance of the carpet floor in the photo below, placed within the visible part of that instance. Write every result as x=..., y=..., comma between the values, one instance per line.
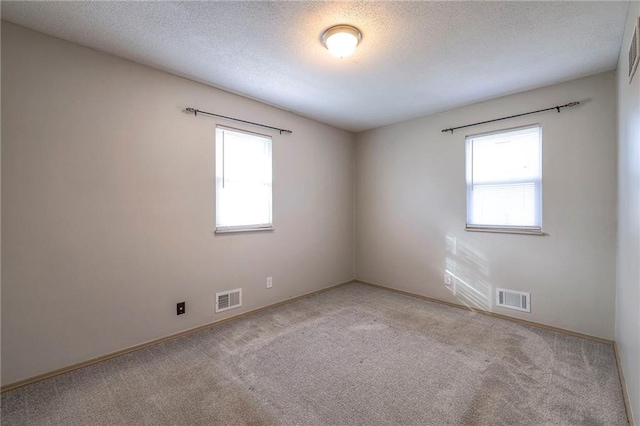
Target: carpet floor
x=354, y=355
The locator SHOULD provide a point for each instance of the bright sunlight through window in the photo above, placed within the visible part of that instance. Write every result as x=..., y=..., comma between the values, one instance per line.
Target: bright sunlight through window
x=243, y=181
x=504, y=181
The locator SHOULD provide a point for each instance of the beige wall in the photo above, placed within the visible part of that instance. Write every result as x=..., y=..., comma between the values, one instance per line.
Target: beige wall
x=108, y=203
x=628, y=282
x=411, y=209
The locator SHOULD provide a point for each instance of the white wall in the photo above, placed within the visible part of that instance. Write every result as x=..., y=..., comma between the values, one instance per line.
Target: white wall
x=628, y=282
x=108, y=203
x=411, y=208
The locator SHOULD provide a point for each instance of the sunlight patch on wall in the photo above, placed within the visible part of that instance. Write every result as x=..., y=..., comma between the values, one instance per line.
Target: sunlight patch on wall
x=467, y=275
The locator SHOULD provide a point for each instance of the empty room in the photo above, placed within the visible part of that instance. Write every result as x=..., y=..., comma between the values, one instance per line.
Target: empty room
x=320, y=213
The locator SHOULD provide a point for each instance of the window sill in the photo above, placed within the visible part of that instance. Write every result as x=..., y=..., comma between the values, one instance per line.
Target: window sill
x=506, y=231
x=240, y=229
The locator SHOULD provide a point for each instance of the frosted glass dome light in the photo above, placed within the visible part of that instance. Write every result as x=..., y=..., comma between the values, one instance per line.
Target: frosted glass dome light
x=341, y=40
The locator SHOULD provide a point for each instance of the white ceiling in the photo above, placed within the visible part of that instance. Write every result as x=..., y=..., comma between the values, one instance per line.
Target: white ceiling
x=415, y=58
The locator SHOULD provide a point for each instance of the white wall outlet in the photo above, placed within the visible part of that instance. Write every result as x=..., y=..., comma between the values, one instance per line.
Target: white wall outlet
x=447, y=279
x=269, y=282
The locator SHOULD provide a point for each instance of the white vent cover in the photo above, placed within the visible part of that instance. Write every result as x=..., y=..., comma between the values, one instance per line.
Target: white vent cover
x=226, y=300
x=634, y=50
x=512, y=299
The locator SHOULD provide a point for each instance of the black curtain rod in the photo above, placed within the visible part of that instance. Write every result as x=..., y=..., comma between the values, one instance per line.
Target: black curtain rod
x=197, y=111
x=569, y=105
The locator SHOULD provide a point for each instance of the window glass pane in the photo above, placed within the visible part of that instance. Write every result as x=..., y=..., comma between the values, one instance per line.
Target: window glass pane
x=504, y=205
x=243, y=179
x=506, y=156
x=504, y=179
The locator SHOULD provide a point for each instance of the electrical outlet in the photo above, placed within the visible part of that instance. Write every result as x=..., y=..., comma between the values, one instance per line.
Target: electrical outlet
x=447, y=279
x=181, y=308
x=269, y=282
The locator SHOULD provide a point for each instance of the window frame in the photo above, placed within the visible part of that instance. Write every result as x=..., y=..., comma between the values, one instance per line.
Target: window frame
x=225, y=229
x=538, y=186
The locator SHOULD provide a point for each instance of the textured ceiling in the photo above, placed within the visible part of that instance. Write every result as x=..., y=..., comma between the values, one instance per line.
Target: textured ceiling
x=416, y=58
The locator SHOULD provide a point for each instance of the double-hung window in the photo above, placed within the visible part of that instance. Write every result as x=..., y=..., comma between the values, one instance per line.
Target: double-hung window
x=504, y=181
x=243, y=181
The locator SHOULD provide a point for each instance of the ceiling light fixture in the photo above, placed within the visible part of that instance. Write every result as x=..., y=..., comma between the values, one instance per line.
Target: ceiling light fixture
x=341, y=40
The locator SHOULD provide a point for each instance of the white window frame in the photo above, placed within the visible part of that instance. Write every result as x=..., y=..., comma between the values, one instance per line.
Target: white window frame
x=532, y=230
x=219, y=177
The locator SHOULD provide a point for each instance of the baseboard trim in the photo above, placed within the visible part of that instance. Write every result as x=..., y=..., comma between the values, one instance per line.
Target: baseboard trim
x=623, y=383
x=491, y=314
x=63, y=370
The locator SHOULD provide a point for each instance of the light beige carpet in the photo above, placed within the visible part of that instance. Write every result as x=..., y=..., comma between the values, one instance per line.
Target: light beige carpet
x=355, y=355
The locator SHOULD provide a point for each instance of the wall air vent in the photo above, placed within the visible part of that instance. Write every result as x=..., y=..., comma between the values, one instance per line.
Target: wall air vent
x=226, y=300
x=634, y=50
x=512, y=299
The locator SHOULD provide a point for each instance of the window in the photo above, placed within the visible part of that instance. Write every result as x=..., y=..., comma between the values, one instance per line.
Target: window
x=243, y=181
x=504, y=181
